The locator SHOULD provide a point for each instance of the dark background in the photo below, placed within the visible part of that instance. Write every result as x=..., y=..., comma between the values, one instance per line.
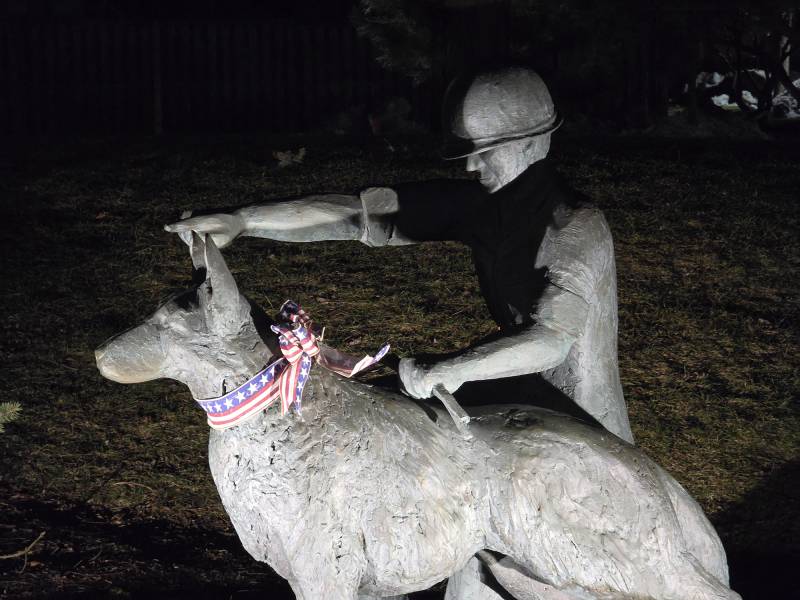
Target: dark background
x=115, y=116
x=91, y=67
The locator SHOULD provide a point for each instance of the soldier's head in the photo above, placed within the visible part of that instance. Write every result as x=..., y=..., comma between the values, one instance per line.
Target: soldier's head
x=501, y=121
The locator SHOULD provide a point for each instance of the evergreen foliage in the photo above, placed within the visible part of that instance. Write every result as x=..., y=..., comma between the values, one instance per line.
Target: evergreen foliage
x=615, y=59
x=8, y=412
x=402, y=34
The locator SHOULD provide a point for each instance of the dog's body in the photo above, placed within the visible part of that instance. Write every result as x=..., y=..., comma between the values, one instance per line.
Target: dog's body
x=366, y=492
x=369, y=494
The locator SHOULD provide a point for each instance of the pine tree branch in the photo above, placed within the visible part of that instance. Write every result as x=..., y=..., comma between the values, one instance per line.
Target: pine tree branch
x=8, y=412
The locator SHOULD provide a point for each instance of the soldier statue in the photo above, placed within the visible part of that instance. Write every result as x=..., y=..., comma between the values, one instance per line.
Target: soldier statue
x=543, y=254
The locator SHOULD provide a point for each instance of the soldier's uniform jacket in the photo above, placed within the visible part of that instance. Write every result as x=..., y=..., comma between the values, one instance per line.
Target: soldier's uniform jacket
x=533, y=233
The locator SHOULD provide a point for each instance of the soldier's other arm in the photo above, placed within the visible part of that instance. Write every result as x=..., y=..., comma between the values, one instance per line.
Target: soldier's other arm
x=545, y=344
x=579, y=253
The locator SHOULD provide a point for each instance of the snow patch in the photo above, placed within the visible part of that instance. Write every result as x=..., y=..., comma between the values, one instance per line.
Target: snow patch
x=722, y=100
x=784, y=105
x=725, y=103
x=709, y=80
x=749, y=99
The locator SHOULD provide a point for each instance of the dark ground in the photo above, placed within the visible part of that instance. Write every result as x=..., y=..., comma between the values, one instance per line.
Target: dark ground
x=116, y=476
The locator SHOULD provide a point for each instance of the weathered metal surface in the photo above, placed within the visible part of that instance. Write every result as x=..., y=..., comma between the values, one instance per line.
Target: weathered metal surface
x=370, y=494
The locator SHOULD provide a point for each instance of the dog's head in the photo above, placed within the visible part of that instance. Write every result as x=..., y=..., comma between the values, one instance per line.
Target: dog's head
x=208, y=337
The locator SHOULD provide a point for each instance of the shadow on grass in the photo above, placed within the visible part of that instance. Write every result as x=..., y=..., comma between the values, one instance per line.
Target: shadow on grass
x=92, y=553
x=762, y=536
x=89, y=552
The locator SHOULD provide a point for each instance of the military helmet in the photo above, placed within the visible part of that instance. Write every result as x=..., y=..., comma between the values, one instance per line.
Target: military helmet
x=492, y=108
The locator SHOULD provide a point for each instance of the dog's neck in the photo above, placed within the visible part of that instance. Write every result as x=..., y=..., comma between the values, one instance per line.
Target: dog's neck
x=219, y=366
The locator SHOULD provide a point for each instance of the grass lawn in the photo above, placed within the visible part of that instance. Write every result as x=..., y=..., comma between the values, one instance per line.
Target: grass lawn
x=707, y=240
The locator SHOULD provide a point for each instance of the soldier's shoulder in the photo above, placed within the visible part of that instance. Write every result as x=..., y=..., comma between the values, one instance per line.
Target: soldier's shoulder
x=583, y=226
x=582, y=213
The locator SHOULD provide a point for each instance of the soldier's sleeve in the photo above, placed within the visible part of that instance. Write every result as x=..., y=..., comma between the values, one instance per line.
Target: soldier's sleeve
x=409, y=213
x=580, y=254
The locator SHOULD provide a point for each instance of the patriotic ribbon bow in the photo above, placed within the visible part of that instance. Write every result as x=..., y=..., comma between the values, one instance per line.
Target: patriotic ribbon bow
x=298, y=345
x=286, y=377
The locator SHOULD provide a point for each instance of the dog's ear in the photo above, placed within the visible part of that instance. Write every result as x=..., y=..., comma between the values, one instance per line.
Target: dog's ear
x=218, y=273
x=226, y=309
x=197, y=250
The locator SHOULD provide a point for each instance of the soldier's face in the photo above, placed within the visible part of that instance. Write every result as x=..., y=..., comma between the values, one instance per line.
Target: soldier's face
x=486, y=165
x=498, y=166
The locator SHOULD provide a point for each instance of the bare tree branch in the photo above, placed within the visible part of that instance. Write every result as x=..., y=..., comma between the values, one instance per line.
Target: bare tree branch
x=786, y=81
x=25, y=551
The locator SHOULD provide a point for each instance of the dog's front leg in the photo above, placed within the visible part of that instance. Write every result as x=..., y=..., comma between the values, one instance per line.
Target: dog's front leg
x=325, y=566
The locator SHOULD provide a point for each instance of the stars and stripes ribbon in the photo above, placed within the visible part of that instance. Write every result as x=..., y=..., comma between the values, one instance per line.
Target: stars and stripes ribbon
x=286, y=377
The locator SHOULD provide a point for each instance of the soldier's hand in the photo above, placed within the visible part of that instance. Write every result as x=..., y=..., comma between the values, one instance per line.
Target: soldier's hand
x=415, y=380
x=223, y=228
x=418, y=380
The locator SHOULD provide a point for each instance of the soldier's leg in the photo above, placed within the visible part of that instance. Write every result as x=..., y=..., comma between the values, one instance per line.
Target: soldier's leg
x=507, y=581
x=470, y=583
x=517, y=582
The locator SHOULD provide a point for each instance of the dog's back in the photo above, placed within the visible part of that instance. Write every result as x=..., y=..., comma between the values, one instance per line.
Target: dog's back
x=410, y=500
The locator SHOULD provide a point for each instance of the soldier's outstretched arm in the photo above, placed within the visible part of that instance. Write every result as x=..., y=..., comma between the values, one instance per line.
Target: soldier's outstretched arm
x=307, y=219
x=404, y=214
x=378, y=216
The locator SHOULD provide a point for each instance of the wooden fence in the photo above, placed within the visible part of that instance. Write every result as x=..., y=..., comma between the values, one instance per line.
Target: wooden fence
x=148, y=77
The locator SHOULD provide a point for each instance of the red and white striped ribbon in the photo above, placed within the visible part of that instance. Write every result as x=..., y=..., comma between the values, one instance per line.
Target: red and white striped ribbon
x=286, y=377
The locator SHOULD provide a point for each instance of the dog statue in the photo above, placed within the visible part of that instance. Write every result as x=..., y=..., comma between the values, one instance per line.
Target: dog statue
x=368, y=494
